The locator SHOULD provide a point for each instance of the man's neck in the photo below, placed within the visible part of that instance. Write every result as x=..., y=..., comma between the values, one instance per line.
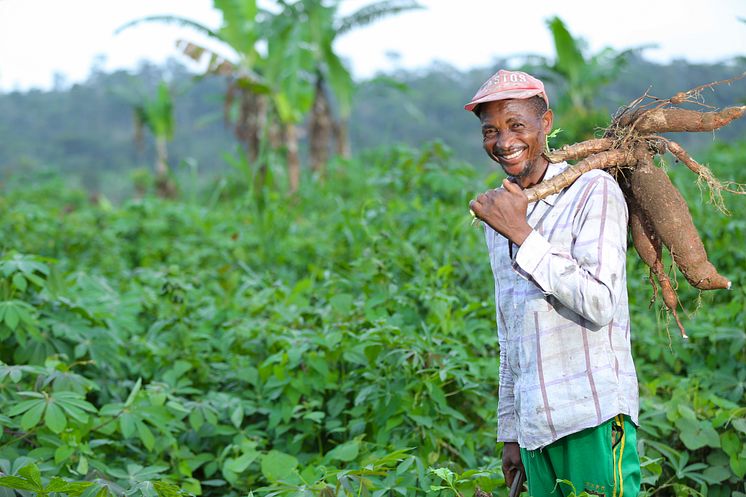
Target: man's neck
x=536, y=176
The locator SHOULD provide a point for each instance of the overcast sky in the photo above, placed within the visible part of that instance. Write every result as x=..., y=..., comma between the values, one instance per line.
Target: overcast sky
x=39, y=38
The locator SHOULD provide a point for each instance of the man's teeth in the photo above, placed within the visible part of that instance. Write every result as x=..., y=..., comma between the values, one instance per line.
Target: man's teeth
x=513, y=155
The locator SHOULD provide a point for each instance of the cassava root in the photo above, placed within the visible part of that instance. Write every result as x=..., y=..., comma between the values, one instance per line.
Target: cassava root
x=579, y=150
x=669, y=217
x=601, y=160
x=683, y=120
x=648, y=247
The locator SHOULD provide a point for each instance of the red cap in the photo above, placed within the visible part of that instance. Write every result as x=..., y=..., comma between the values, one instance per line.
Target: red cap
x=508, y=84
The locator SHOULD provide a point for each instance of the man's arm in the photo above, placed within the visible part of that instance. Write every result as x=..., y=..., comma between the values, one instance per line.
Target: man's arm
x=589, y=279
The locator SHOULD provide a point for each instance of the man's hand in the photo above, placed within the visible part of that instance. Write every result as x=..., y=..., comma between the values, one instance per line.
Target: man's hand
x=504, y=210
x=511, y=462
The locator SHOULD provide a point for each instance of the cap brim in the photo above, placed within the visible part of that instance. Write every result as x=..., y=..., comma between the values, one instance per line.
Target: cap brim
x=506, y=95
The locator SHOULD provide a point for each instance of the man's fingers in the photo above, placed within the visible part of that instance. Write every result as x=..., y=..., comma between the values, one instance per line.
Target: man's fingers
x=509, y=474
x=510, y=186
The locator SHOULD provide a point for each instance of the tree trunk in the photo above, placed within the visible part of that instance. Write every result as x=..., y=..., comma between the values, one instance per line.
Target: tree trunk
x=293, y=159
x=341, y=137
x=164, y=187
x=161, y=150
x=251, y=115
x=320, y=129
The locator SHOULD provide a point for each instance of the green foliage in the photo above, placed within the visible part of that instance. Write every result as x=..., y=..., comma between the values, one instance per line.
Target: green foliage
x=162, y=340
x=580, y=78
x=340, y=345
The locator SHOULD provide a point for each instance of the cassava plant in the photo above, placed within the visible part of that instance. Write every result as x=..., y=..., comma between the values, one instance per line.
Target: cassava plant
x=659, y=215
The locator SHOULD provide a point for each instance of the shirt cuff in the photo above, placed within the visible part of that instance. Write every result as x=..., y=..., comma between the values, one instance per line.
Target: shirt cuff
x=532, y=251
x=507, y=433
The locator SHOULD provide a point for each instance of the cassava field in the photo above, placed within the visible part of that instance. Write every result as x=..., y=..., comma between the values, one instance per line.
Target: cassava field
x=341, y=344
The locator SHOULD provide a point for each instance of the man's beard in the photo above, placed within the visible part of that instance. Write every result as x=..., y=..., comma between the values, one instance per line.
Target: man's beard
x=528, y=168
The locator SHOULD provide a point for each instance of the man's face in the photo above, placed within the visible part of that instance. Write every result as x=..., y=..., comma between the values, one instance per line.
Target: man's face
x=513, y=135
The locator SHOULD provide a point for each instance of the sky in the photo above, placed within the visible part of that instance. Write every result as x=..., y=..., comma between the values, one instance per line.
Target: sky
x=41, y=38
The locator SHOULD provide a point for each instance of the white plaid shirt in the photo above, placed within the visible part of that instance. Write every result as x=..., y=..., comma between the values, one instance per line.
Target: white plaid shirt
x=562, y=315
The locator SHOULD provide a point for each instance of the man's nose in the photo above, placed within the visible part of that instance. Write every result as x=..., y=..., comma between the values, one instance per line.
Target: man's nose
x=502, y=142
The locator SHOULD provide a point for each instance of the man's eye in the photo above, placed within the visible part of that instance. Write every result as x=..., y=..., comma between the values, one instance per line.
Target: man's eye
x=517, y=125
x=488, y=132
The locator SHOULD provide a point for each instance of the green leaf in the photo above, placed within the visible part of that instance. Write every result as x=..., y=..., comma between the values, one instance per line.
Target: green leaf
x=74, y=412
x=20, y=282
x=145, y=435
x=697, y=434
x=96, y=490
x=237, y=416
x=12, y=317
x=15, y=374
x=82, y=467
x=731, y=443
x=68, y=398
x=739, y=424
x=166, y=489
x=33, y=415
x=17, y=483
x=444, y=474
x=340, y=80
x=239, y=464
x=54, y=418
x=716, y=474
x=73, y=489
x=63, y=453
x=133, y=393
x=342, y=302
x=277, y=465
x=405, y=465
x=196, y=419
x=738, y=465
x=570, y=60
x=31, y=473
x=127, y=424
x=346, y=452
x=23, y=406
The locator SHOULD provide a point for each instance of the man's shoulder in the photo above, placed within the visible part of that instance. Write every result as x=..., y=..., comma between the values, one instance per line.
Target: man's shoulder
x=595, y=175
x=596, y=178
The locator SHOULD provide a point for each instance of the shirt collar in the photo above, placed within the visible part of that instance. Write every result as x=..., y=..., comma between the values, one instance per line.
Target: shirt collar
x=553, y=170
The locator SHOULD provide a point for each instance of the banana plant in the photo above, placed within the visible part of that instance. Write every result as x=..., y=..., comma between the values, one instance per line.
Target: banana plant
x=156, y=115
x=249, y=94
x=289, y=76
x=581, y=78
x=326, y=25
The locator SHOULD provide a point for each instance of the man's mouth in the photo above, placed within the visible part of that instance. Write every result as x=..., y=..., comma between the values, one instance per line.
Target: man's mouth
x=510, y=156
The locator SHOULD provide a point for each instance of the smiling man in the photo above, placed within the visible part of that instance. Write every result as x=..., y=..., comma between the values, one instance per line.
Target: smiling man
x=568, y=395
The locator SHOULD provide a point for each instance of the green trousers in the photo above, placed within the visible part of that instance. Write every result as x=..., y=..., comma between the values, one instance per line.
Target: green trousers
x=600, y=461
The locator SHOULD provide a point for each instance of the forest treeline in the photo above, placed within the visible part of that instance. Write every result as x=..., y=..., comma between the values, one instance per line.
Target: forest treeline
x=86, y=131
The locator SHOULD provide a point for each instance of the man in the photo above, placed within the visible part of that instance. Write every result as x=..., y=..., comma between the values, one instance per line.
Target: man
x=568, y=395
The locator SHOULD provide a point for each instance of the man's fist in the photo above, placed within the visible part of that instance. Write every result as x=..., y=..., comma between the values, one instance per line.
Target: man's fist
x=504, y=210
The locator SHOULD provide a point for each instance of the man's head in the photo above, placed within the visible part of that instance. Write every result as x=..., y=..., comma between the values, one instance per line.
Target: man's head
x=512, y=108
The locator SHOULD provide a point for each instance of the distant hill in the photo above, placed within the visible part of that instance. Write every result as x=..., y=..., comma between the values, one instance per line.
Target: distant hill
x=86, y=131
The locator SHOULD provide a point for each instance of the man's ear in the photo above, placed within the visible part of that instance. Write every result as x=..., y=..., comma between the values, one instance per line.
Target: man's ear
x=546, y=121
